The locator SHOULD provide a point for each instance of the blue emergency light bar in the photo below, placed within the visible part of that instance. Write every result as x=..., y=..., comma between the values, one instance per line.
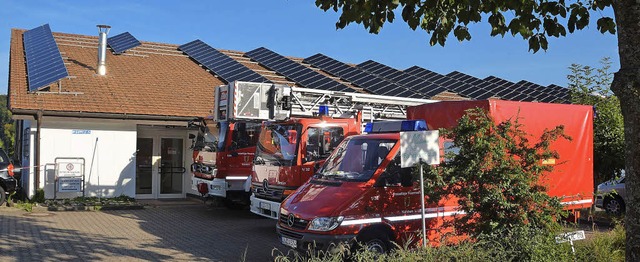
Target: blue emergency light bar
x=395, y=126
x=323, y=110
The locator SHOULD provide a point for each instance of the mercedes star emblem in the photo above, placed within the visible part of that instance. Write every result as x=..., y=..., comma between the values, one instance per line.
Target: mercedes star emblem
x=291, y=220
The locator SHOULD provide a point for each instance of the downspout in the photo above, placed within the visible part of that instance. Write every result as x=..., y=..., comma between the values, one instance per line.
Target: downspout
x=36, y=180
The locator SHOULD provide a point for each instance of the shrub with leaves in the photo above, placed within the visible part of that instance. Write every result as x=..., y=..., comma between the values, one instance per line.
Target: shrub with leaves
x=592, y=86
x=496, y=176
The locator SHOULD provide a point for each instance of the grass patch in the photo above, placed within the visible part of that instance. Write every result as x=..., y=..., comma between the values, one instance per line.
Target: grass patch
x=512, y=245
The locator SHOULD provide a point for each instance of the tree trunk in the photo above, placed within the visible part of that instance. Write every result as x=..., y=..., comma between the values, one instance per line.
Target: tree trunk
x=626, y=85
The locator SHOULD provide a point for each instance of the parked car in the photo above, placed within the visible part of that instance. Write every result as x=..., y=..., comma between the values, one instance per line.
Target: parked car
x=611, y=195
x=8, y=181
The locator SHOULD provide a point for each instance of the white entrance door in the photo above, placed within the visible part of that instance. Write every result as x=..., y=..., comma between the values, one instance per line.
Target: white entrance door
x=160, y=167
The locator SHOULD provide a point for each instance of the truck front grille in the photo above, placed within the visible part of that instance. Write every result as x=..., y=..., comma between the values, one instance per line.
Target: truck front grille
x=298, y=223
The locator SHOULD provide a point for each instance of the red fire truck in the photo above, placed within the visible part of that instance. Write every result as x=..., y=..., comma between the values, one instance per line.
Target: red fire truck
x=361, y=192
x=224, y=147
x=294, y=119
x=291, y=150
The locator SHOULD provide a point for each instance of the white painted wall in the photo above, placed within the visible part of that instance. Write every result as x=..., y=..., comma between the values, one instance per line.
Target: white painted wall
x=108, y=147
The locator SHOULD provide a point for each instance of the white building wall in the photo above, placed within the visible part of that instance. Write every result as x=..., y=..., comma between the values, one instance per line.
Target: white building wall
x=108, y=147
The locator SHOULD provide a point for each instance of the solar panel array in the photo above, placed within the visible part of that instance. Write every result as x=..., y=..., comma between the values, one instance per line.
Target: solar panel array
x=451, y=84
x=361, y=78
x=561, y=93
x=495, y=89
x=122, y=42
x=417, y=84
x=44, y=61
x=220, y=64
x=506, y=91
x=297, y=72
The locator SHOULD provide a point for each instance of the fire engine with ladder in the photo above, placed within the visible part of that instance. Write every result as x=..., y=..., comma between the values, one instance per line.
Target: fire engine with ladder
x=264, y=140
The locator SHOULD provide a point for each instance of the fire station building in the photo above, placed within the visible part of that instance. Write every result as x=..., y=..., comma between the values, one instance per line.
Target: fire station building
x=109, y=113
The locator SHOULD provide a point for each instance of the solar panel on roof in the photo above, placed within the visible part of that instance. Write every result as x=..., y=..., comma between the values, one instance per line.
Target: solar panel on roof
x=297, y=72
x=496, y=90
x=507, y=90
x=44, y=61
x=220, y=64
x=122, y=42
x=534, y=91
x=411, y=82
x=361, y=78
x=449, y=83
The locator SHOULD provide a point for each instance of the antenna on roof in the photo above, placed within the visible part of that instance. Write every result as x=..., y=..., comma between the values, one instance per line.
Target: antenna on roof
x=103, y=30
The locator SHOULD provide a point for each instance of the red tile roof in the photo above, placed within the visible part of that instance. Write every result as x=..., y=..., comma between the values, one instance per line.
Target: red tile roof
x=151, y=80
x=156, y=80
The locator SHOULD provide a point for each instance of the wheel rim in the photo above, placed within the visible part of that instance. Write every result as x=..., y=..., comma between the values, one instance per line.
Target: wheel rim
x=376, y=246
x=613, y=206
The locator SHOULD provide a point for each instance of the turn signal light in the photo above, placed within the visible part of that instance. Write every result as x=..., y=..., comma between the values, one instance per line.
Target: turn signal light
x=10, y=170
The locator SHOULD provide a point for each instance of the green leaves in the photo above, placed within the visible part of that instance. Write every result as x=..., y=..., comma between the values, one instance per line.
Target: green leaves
x=591, y=86
x=606, y=24
x=538, y=41
x=462, y=33
x=532, y=20
x=495, y=175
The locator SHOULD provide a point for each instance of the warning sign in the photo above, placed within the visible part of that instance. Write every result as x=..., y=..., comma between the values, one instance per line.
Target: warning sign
x=69, y=175
x=70, y=184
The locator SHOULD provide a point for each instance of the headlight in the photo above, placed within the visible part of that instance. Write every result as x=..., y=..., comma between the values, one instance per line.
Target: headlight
x=283, y=212
x=325, y=223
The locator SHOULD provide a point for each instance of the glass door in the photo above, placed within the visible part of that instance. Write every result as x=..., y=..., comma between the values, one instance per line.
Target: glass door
x=144, y=168
x=171, y=167
x=160, y=166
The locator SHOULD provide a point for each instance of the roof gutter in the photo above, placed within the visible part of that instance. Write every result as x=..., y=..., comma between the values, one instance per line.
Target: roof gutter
x=31, y=112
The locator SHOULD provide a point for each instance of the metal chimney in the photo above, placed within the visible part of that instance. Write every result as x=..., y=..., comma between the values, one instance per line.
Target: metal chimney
x=103, y=30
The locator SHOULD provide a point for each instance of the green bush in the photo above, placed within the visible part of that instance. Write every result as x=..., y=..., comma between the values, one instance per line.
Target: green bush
x=604, y=246
x=495, y=175
x=519, y=244
x=39, y=196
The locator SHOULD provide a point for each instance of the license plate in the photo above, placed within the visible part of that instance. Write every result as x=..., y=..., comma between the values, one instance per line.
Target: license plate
x=266, y=206
x=289, y=242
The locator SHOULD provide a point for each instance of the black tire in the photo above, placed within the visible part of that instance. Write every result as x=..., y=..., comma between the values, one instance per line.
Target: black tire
x=3, y=196
x=614, y=205
x=374, y=241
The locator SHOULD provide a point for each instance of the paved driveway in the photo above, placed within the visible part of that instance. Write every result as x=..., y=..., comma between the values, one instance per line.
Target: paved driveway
x=184, y=230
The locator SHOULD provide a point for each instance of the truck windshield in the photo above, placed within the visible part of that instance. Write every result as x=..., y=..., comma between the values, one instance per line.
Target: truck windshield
x=355, y=159
x=207, y=139
x=278, y=144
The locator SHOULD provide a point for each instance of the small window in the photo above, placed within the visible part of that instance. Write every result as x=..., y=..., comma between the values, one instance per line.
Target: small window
x=321, y=141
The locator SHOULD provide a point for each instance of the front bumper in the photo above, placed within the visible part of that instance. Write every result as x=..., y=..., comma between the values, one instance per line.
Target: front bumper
x=265, y=208
x=306, y=241
x=216, y=187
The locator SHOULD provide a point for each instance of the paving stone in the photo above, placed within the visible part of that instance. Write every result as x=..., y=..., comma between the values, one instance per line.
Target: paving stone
x=186, y=231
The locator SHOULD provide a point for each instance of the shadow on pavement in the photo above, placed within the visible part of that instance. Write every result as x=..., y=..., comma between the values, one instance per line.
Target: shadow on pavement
x=206, y=232
x=34, y=238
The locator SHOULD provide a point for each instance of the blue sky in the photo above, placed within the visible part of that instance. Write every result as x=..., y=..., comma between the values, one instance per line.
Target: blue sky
x=300, y=29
